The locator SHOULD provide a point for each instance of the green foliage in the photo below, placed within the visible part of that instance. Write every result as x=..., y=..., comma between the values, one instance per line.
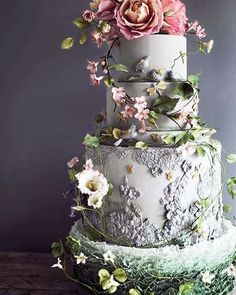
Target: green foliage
x=109, y=81
x=134, y=292
x=67, y=43
x=194, y=80
x=231, y=158
x=119, y=68
x=83, y=38
x=227, y=208
x=164, y=104
x=72, y=174
x=57, y=249
x=117, y=133
x=153, y=116
x=81, y=23
x=184, y=90
x=120, y=275
x=231, y=186
x=141, y=145
x=73, y=245
x=201, y=151
x=91, y=141
x=205, y=203
x=186, y=289
x=199, y=224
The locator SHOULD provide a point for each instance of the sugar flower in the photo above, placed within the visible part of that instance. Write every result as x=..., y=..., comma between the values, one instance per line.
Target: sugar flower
x=139, y=18
x=97, y=38
x=208, y=46
x=187, y=150
x=106, y=10
x=111, y=285
x=94, y=4
x=175, y=19
x=196, y=29
x=140, y=103
x=207, y=277
x=58, y=264
x=128, y=112
x=108, y=256
x=88, y=165
x=81, y=259
x=95, y=201
x=89, y=16
x=94, y=80
x=92, y=182
x=73, y=162
x=93, y=66
x=142, y=115
x=118, y=95
x=231, y=271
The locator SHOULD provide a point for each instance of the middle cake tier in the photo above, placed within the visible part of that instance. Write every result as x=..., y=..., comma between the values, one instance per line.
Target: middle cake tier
x=172, y=120
x=160, y=195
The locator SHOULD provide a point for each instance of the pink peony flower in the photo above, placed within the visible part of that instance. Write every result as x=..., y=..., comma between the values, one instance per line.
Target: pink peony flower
x=92, y=66
x=89, y=16
x=118, y=95
x=175, y=19
x=128, y=112
x=140, y=103
x=94, y=80
x=106, y=9
x=136, y=18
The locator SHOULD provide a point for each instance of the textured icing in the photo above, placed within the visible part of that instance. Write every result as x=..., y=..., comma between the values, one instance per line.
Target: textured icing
x=160, y=200
x=162, y=50
x=137, y=89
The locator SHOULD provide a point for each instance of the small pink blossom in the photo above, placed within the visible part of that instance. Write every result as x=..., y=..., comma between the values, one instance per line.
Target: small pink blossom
x=200, y=32
x=175, y=19
x=144, y=128
x=106, y=10
x=94, y=80
x=88, y=165
x=143, y=115
x=93, y=66
x=140, y=103
x=197, y=29
x=129, y=112
x=89, y=16
x=118, y=95
x=184, y=116
x=73, y=162
x=98, y=38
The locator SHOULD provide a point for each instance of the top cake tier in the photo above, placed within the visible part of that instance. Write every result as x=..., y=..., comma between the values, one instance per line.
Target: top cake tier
x=156, y=52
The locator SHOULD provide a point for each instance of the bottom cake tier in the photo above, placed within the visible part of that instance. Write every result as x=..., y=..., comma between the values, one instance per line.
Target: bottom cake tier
x=200, y=269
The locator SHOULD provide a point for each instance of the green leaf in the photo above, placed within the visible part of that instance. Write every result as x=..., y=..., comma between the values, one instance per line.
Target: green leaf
x=186, y=289
x=164, y=104
x=154, y=115
x=231, y=186
x=117, y=133
x=194, y=80
x=134, y=292
x=199, y=224
x=184, y=90
x=72, y=174
x=81, y=23
x=181, y=137
x=57, y=249
x=231, y=158
x=141, y=145
x=109, y=81
x=120, y=275
x=169, y=139
x=206, y=203
x=83, y=38
x=67, y=43
x=103, y=275
x=119, y=68
x=227, y=208
x=200, y=151
x=152, y=121
x=91, y=141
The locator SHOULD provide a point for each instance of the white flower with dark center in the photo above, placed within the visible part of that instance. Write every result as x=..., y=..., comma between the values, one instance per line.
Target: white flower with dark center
x=108, y=256
x=81, y=258
x=58, y=264
x=95, y=201
x=92, y=183
x=207, y=277
x=231, y=271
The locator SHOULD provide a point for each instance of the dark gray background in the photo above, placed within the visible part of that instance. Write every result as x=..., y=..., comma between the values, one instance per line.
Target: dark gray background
x=47, y=105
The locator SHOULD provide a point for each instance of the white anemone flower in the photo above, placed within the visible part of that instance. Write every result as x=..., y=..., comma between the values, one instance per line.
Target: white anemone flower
x=81, y=258
x=207, y=277
x=231, y=271
x=92, y=182
x=108, y=256
x=58, y=264
x=95, y=201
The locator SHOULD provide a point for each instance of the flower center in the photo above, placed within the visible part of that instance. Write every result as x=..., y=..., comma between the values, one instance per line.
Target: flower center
x=92, y=186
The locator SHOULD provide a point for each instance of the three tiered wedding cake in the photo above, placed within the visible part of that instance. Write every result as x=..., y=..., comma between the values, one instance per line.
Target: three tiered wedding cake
x=149, y=193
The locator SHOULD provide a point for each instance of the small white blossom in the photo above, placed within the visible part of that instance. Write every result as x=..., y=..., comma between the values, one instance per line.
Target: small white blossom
x=88, y=165
x=208, y=45
x=58, y=264
x=112, y=284
x=186, y=150
x=95, y=201
x=81, y=258
x=108, y=256
x=207, y=277
x=231, y=271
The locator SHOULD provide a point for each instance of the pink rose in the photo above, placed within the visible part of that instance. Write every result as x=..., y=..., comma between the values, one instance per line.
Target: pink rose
x=175, y=19
x=106, y=9
x=88, y=15
x=136, y=18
